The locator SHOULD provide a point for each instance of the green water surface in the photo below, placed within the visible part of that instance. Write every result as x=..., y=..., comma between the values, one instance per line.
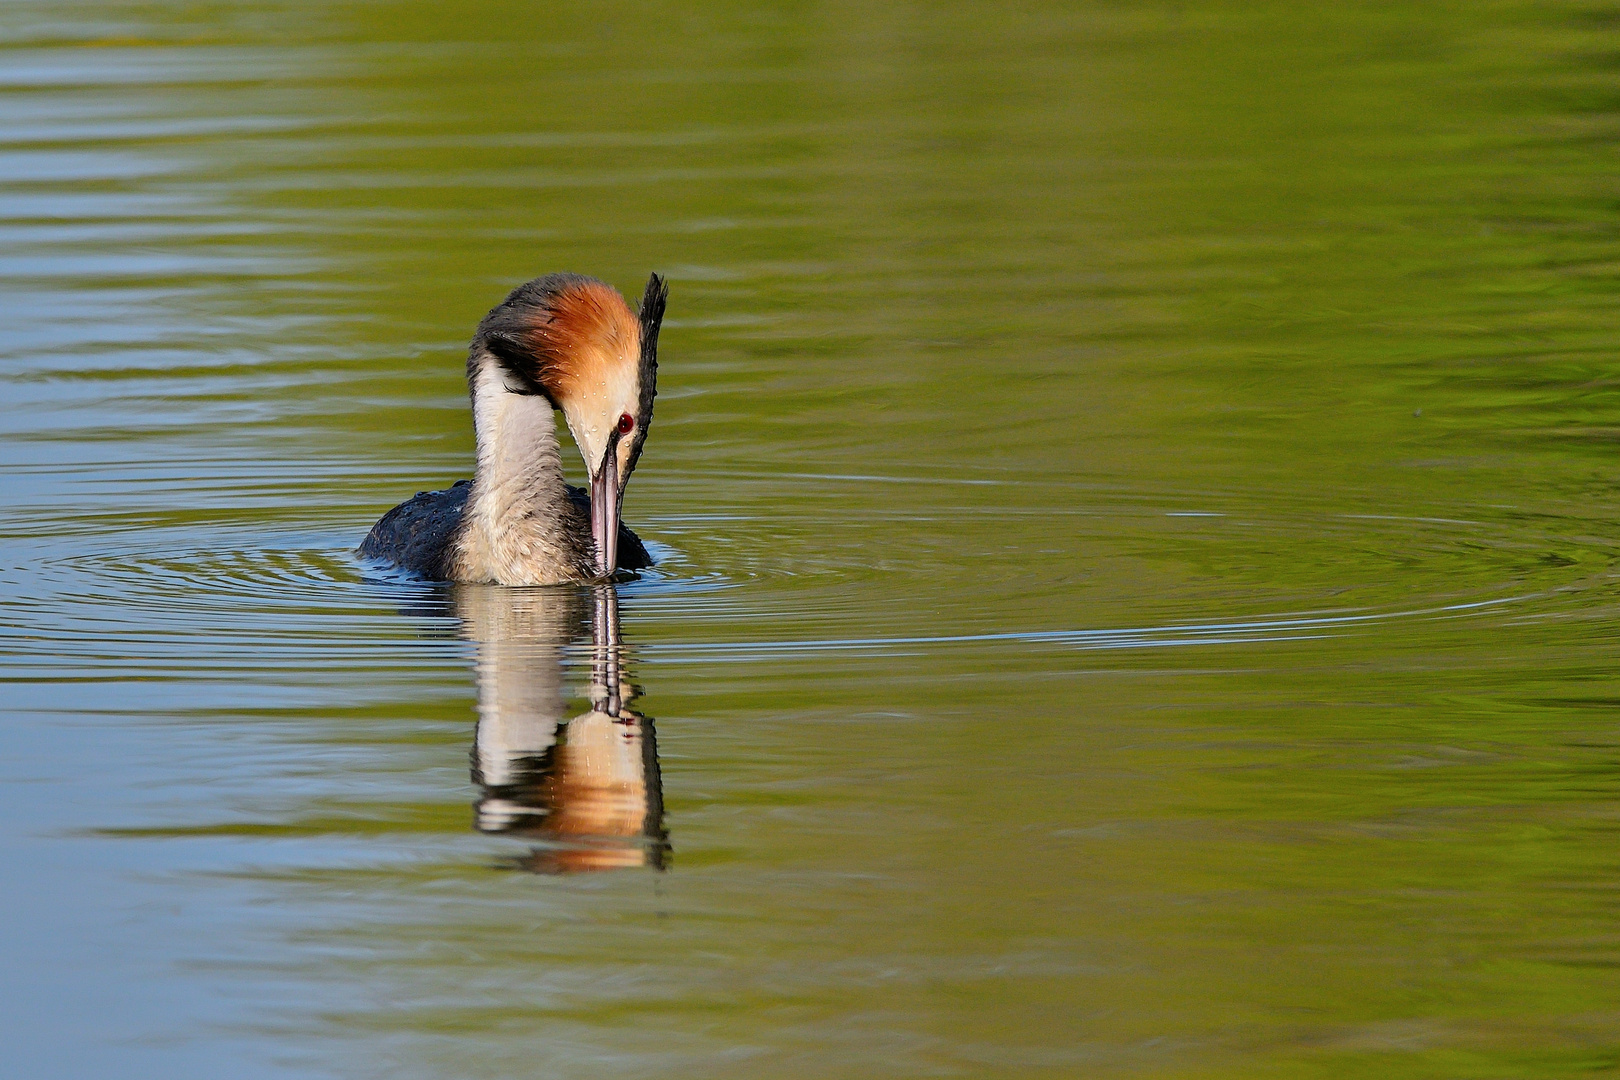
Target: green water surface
x=1134, y=485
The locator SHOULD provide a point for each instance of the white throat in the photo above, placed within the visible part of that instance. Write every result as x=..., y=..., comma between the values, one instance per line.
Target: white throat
x=512, y=531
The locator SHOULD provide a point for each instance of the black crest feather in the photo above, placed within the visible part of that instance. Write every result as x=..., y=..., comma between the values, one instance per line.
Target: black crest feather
x=652, y=318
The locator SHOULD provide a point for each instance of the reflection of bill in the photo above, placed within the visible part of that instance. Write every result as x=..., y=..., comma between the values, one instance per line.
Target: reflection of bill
x=587, y=788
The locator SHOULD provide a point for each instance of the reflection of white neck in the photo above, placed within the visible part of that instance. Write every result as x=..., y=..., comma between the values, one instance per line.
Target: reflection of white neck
x=520, y=703
x=512, y=529
x=520, y=637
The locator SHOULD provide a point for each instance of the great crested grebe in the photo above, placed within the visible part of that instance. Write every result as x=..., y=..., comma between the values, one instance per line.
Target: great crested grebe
x=565, y=342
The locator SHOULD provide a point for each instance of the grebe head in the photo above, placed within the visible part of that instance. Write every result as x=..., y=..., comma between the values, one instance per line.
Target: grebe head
x=573, y=340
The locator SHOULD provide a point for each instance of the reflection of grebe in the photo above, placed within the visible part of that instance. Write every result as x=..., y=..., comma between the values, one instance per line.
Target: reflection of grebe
x=588, y=788
x=560, y=342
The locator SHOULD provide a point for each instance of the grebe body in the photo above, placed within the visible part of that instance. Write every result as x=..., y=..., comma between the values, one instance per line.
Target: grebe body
x=560, y=342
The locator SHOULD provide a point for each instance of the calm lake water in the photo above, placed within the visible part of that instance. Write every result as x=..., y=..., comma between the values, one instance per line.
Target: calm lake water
x=1135, y=486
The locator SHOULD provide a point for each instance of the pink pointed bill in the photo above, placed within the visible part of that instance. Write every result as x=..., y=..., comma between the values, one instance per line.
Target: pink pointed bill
x=605, y=514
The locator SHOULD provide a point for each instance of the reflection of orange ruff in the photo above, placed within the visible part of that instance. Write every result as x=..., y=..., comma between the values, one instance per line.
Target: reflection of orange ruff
x=595, y=801
x=600, y=784
x=573, y=860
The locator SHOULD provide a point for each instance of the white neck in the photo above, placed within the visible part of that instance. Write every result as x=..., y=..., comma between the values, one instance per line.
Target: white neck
x=512, y=532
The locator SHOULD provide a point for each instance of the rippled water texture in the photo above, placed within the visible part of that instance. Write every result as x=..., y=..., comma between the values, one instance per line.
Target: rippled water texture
x=1134, y=487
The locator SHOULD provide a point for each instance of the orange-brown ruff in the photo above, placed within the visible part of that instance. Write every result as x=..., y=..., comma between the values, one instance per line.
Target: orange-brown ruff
x=561, y=341
x=587, y=334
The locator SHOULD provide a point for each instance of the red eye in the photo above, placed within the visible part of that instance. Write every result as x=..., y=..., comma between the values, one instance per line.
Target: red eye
x=626, y=423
